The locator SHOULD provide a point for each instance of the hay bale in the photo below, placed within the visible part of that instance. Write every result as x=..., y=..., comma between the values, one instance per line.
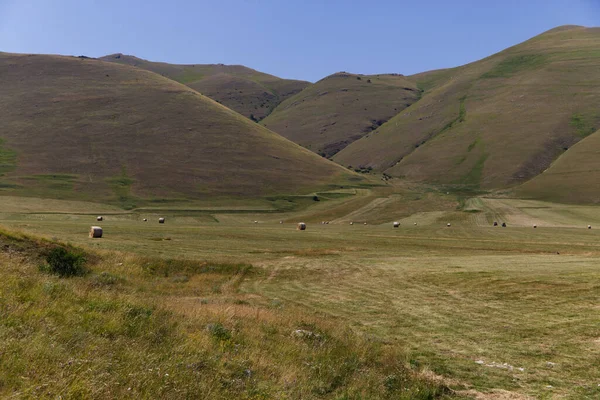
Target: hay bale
x=256, y=222
x=534, y=226
x=589, y=227
x=448, y=225
x=99, y=218
x=281, y=222
x=396, y=224
x=365, y=223
x=161, y=220
x=301, y=226
x=415, y=224
x=145, y=219
x=351, y=223
x=95, y=232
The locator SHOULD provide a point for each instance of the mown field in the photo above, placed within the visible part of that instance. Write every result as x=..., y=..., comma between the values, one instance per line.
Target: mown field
x=489, y=312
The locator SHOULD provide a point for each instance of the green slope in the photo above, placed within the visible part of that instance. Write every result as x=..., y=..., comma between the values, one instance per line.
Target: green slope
x=78, y=128
x=337, y=110
x=249, y=92
x=573, y=178
x=496, y=122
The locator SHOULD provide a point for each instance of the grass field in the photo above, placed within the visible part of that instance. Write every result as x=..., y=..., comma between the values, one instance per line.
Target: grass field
x=494, y=313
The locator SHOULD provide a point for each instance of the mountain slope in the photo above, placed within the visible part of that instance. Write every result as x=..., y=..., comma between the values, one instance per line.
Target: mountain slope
x=76, y=127
x=251, y=93
x=337, y=110
x=496, y=122
x=573, y=178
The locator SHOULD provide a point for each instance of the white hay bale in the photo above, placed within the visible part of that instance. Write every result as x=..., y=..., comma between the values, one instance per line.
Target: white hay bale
x=161, y=220
x=365, y=223
x=351, y=223
x=589, y=227
x=281, y=222
x=301, y=226
x=448, y=225
x=534, y=226
x=95, y=232
x=415, y=224
x=145, y=219
x=256, y=222
x=396, y=224
x=99, y=218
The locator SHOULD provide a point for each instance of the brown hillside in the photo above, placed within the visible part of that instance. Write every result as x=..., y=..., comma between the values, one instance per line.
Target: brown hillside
x=247, y=91
x=336, y=111
x=495, y=122
x=76, y=127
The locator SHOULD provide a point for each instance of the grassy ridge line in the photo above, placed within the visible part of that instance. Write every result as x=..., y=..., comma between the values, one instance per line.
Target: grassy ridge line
x=137, y=327
x=249, y=92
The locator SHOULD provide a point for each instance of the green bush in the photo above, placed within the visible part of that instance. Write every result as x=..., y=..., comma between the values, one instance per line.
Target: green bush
x=64, y=263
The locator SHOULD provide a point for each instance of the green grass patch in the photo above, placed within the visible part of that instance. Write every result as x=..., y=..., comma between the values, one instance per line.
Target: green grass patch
x=8, y=159
x=121, y=185
x=473, y=177
x=514, y=64
x=583, y=125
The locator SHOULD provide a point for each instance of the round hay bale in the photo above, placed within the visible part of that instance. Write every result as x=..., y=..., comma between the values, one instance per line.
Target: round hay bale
x=301, y=226
x=145, y=219
x=448, y=225
x=95, y=232
x=534, y=226
x=351, y=223
x=415, y=224
x=99, y=218
x=256, y=222
x=365, y=223
x=161, y=220
x=281, y=222
x=589, y=227
x=396, y=224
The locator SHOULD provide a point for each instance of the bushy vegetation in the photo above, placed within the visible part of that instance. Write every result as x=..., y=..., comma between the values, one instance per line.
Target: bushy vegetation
x=64, y=263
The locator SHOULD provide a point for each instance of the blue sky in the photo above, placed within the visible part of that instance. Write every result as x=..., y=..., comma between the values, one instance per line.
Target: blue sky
x=293, y=39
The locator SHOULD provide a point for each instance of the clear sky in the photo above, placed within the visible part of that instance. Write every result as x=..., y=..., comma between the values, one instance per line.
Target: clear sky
x=302, y=39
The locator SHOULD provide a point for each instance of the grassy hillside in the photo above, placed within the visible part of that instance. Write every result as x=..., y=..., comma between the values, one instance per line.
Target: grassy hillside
x=86, y=129
x=251, y=93
x=572, y=178
x=337, y=110
x=496, y=122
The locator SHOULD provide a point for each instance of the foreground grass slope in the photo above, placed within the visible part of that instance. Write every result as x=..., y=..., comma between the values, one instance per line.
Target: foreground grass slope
x=341, y=108
x=496, y=122
x=251, y=93
x=79, y=128
x=134, y=327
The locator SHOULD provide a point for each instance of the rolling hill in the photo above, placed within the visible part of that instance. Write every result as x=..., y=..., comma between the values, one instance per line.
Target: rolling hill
x=79, y=128
x=251, y=93
x=573, y=178
x=494, y=123
x=341, y=108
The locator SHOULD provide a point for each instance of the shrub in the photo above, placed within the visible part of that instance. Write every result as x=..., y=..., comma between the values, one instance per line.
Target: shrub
x=64, y=263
